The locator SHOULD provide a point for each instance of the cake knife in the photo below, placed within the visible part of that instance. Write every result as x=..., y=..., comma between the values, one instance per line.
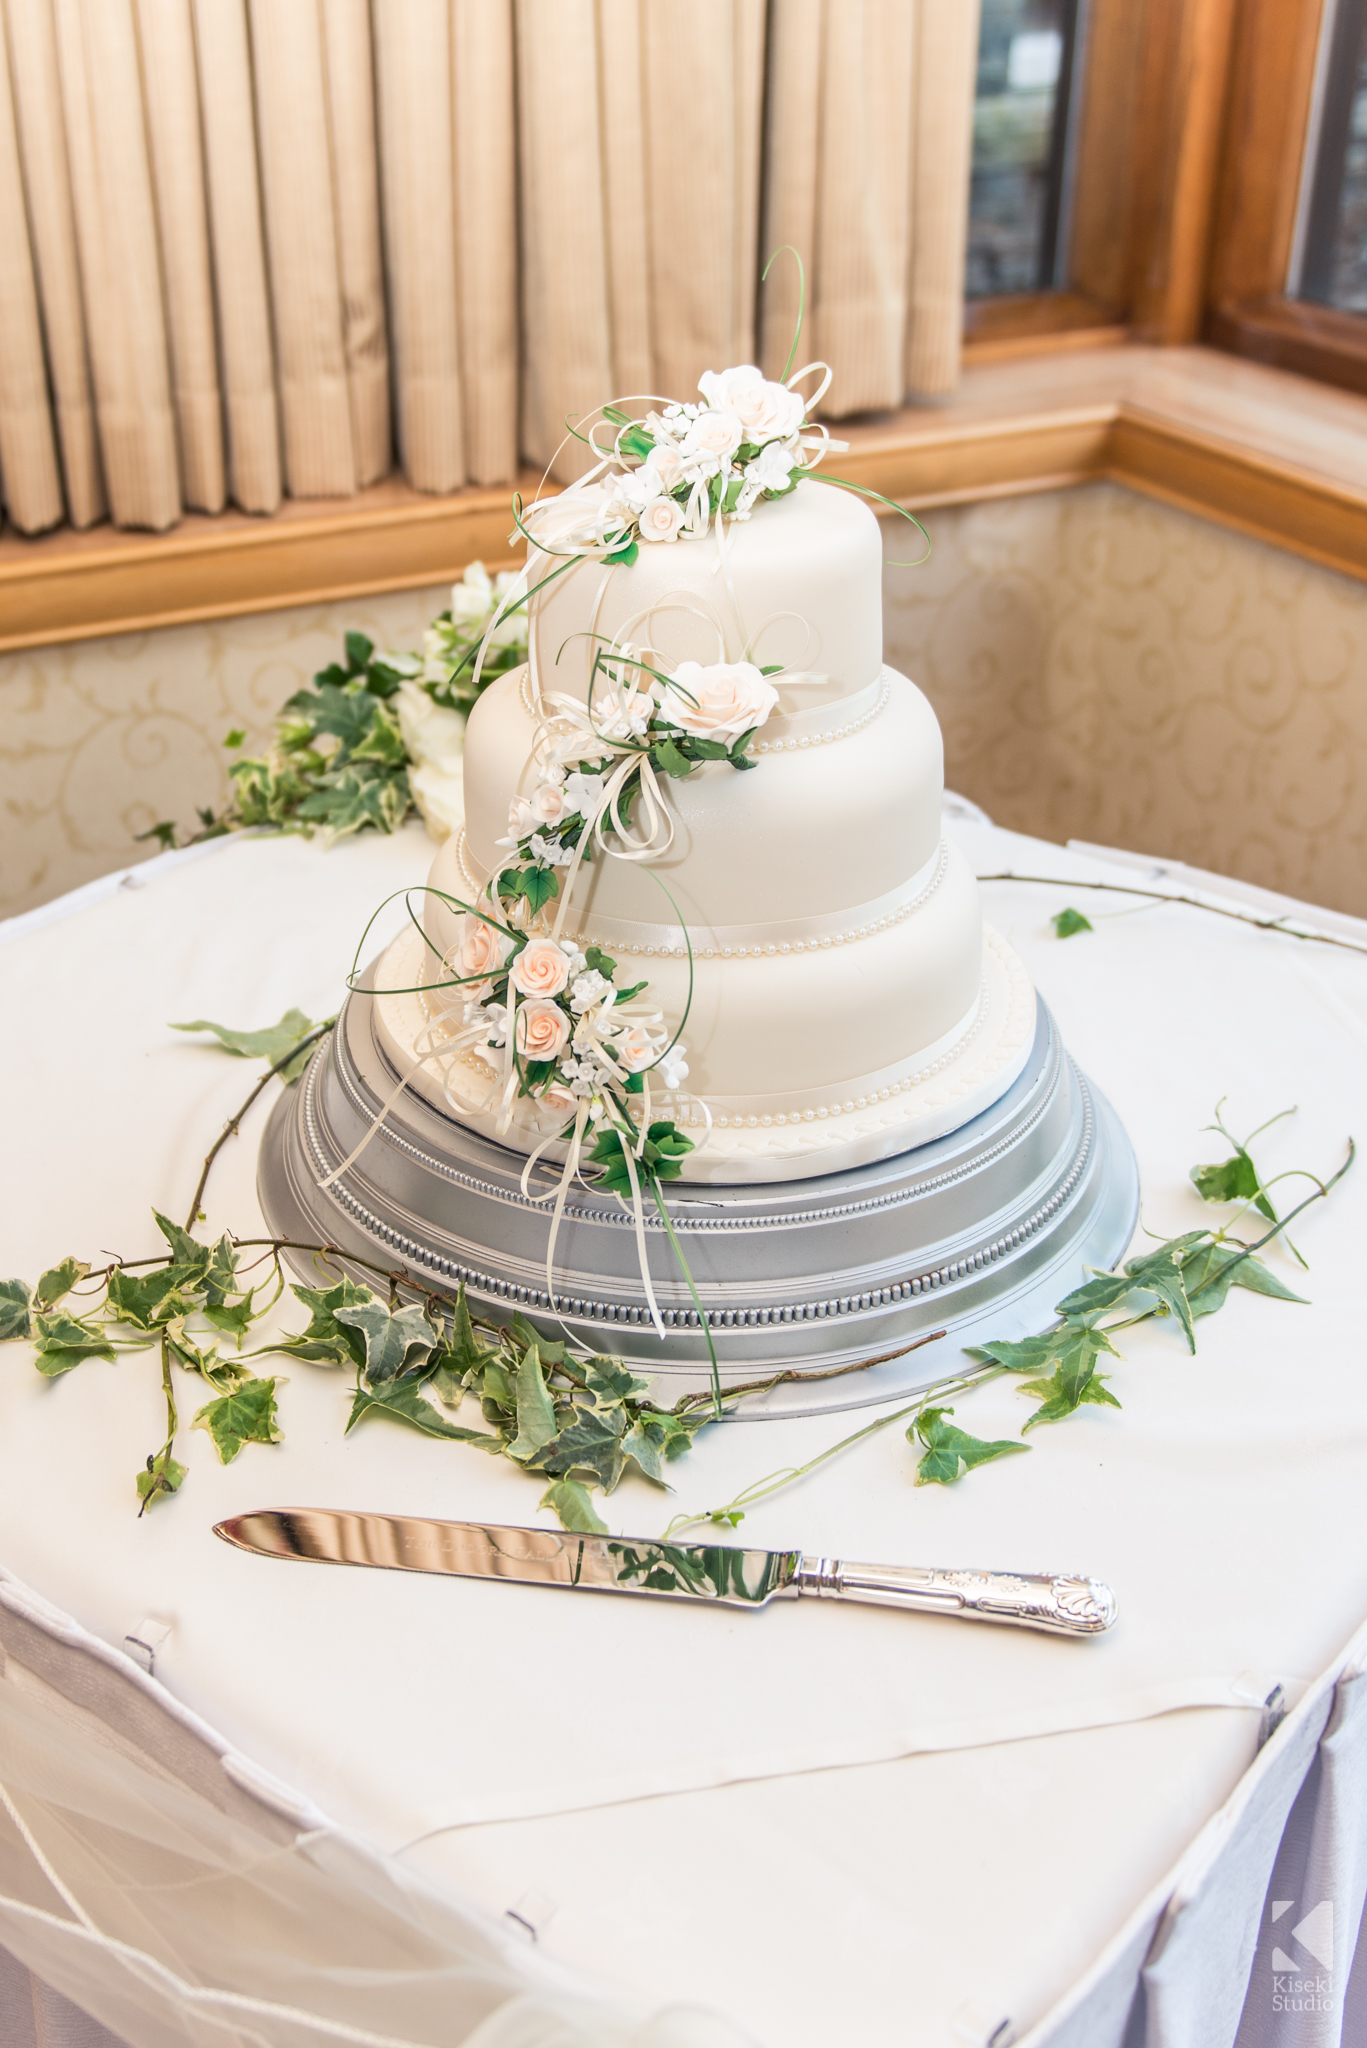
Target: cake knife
x=721, y=1573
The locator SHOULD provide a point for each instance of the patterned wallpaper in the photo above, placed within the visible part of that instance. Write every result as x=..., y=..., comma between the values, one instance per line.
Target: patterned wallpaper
x=101, y=738
x=1108, y=669
x=1104, y=669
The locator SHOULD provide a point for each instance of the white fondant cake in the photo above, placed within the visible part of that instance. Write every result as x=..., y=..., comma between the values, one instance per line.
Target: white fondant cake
x=806, y=926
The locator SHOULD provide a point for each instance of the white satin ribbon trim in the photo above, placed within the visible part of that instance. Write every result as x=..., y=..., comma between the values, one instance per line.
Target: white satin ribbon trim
x=767, y=940
x=835, y=711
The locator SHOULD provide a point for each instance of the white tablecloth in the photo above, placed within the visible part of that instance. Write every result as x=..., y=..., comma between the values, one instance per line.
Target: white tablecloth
x=1005, y=1804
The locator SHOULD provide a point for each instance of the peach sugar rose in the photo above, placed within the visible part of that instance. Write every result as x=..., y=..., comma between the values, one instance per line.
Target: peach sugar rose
x=540, y=969
x=719, y=702
x=542, y=1030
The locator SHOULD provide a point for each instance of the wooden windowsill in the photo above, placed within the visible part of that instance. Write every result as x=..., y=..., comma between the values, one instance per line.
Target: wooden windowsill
x=1261, y=450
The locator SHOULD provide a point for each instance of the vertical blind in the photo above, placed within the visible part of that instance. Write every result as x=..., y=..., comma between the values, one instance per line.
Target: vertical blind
x=262, y=248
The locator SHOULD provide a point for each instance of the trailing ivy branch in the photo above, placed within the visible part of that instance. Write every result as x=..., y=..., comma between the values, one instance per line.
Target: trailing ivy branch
x=1184, y=1278
x=1067, y=923
x=340, y=756
x=578, y=1423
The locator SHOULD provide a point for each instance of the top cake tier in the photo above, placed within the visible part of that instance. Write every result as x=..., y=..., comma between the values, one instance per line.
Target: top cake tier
x=801, y=586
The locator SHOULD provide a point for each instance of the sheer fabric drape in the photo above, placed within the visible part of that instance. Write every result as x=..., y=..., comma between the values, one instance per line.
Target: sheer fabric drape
x=259, y=248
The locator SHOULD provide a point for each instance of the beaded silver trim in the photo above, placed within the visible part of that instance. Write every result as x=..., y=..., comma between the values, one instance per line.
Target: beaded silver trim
x=620, y=1218
x=599, y=1311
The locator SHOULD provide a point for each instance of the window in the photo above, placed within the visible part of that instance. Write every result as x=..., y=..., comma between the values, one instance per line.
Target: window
x=1329, y=265
x=1020, y=145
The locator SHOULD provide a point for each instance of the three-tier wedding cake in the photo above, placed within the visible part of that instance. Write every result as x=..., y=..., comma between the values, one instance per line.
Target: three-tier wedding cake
x=797, y=972
x=695, y=1033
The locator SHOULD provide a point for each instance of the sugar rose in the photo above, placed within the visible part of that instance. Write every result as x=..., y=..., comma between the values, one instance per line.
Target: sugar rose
x=661, y=520
x=547, y=803
x=765, y=411
x=718, y=702
x=540, y=969
x=715, y=433
x=634, y=1048
x=482, y=950
x=542, y=1030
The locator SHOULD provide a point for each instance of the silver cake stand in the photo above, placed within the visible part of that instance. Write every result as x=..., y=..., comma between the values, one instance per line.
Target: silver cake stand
x=978, y=1233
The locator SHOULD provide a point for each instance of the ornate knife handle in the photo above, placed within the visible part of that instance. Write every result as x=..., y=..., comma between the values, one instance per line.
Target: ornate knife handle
x=1059, y=1604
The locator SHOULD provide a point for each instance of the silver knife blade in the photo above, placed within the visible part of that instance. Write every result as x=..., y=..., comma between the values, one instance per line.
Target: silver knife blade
x=724, y=1574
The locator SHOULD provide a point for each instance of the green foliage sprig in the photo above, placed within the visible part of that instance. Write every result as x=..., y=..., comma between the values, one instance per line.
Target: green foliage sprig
x=339, y=761
x=1182, y=1279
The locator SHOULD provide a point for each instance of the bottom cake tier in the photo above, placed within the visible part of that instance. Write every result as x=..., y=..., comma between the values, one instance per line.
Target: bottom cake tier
x=820, y=1131
x=978, y=1232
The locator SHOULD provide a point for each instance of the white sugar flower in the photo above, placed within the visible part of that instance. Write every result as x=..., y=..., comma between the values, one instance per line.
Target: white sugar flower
x=772, y=468
x=766, y=411
x=636, y=488
x=622, y=714
x=496, y=1018
x=583, y=793
x=661, y=519
x=718, y=702
x=664, y=465
x=714, y=433
x=673, y=1067
x=587, y=990
x=550, y=852
x=547, y=803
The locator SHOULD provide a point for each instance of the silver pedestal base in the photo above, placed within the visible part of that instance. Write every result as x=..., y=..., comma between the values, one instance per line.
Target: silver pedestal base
x=978, y=1233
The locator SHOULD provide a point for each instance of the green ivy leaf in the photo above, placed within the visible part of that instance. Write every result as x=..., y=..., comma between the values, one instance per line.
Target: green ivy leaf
x=233, y=1319
x=569, y=1499
x=1209, y=1274
x=395, y=1341
x=625, y=556
x=538, y=885
x=645, y=1443
x=235, y=738
x=591, y=1443
x=52, y=1285
x=1067, y=923
x=194, y=1358
x=668, y=759
x=344, y=713
x=1161, y=1273
x=1062, y=1394
x=536, y=1423
x=15, y=1319
x=358, y=651
x=162, y=1476
x=64, y=1341
x=326, y=1341
x=346, y=800
x=246, y=1416
x=164, y=834
x=950, y=1452
x=1234, y=1180
x=220, y=1275
x=597, y=959
x=269, y=1045
x=383, y=741
x=610, y=1383
x=405, y=1402
x=149, y=1302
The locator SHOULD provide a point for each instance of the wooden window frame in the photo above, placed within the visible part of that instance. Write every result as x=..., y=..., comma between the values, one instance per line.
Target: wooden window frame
x=1271, y=89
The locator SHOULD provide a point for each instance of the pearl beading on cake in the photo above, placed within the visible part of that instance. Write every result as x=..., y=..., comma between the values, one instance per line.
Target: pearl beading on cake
x=678, y=951
x=691, y=1114
x=824, y=739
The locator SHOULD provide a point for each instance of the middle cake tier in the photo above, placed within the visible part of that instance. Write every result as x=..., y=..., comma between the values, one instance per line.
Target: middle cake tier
x=819, y=943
